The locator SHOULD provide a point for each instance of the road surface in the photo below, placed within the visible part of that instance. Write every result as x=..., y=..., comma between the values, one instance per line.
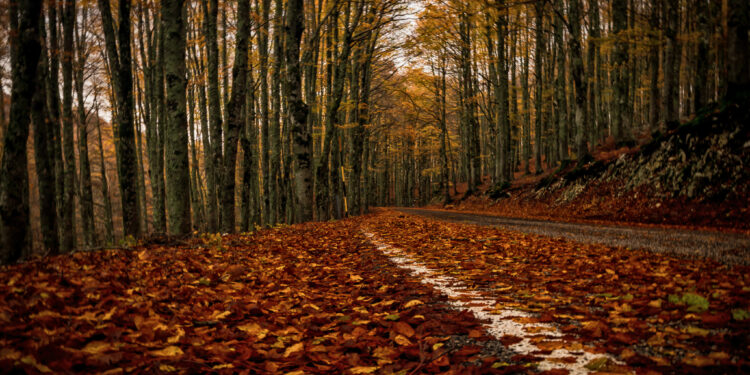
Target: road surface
x=728, y=248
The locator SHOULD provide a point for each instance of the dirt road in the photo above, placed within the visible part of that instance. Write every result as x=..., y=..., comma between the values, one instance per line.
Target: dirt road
x=727, y=248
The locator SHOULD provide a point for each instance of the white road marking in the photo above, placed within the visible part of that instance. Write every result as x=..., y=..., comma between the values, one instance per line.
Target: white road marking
x=499, y=321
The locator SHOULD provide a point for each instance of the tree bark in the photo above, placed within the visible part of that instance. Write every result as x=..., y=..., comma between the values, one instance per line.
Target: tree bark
x=176, y=146
x=298, y=112
x=538, y=66
x=576, y=56
x=235, y=119
x=68, y=228
x=14, y=178
x=122, y=82
x=43, y=147
x=214, y=108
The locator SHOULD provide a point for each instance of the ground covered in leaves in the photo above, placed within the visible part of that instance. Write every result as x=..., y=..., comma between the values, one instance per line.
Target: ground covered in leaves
x=322, y=298
x=653, y=312
x=312, y=298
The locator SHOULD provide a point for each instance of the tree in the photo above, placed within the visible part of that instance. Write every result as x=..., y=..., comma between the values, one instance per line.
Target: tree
x=177, y=164
x=118, y=53
x=43, y=147
x=68, y=228
x=14, y=179
x=212, y=49
x=298, y=111
x=235, y=121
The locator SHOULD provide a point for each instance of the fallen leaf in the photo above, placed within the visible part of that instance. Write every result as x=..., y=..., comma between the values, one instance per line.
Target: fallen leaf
x=293, y=349
x=404, y=329
x=96, y=347
x=401, y=340
x=413, y=303
x=169, y=351
x=363, y=369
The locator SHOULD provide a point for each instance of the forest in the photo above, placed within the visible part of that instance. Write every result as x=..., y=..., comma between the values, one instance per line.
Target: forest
x=153, y=117
x=166, y=152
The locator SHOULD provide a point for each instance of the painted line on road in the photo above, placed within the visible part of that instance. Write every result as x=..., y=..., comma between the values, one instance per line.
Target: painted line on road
x=498, y=322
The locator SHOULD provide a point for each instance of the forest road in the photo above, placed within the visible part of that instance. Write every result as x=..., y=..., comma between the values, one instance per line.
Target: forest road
x=727, y=248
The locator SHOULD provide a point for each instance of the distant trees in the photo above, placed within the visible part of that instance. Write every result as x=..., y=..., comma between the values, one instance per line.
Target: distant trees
x=640, y=65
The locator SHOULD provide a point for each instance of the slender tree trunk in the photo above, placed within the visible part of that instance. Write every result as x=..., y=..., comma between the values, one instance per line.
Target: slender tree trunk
x=214, y=106
x=298, y=112
x=738, y=51
x=592, y=76
x=235, y=119
x=249, y=143
x=43, y=147
x=108, y=225
x=86, y=199
x=526, y=108
x=538, y=66
x=122, y=82
x=620, y=58
x=576, y=56
x=671, y=60
x=264, y=110
x=68, y=208
x=654, y=96
x=53, y=105
x=14, y=178
x=177, y=163
x=561, y=102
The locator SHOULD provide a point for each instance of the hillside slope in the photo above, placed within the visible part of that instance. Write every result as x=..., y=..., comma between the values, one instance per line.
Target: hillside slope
x=697, y=174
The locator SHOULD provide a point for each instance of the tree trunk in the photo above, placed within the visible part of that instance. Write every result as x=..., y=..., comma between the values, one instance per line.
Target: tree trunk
x=738, y=72
x=214, y=107
x=122, y=82
x=14, y=178
x=592, y=76
x=68, y=208
x=265, y=116
x=43, y=147
x=298, y=112
x=620, y=58
x=177, y=164
x=561, y=102
x=538, y=65
x=108, y=225
x=86, y=199
x=654, y=97
x=235, y=119
x=671, y=60
x=576, y=56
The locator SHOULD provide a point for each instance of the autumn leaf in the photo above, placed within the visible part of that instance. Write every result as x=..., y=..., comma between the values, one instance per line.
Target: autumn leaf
x=96, y=347
x=31, y=361
x=169, y=351
x=363, y=369
x=254, y=329
x=404, y=329
x=401, y=340
x=413, y=303
x=294, y=349
x=392, y=317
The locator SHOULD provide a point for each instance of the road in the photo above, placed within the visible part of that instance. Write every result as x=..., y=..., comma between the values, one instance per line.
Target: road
x=727, y=248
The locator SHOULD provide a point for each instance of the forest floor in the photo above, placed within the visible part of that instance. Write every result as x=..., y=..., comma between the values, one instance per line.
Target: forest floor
x=386, y=293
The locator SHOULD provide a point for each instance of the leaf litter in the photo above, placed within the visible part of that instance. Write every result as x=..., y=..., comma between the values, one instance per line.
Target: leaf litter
x=313, y=298
x=322, y=298
x=652, y=312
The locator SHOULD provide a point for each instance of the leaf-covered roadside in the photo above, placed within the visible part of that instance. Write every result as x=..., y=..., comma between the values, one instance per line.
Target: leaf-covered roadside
x=312, y=298
x=652, y=311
